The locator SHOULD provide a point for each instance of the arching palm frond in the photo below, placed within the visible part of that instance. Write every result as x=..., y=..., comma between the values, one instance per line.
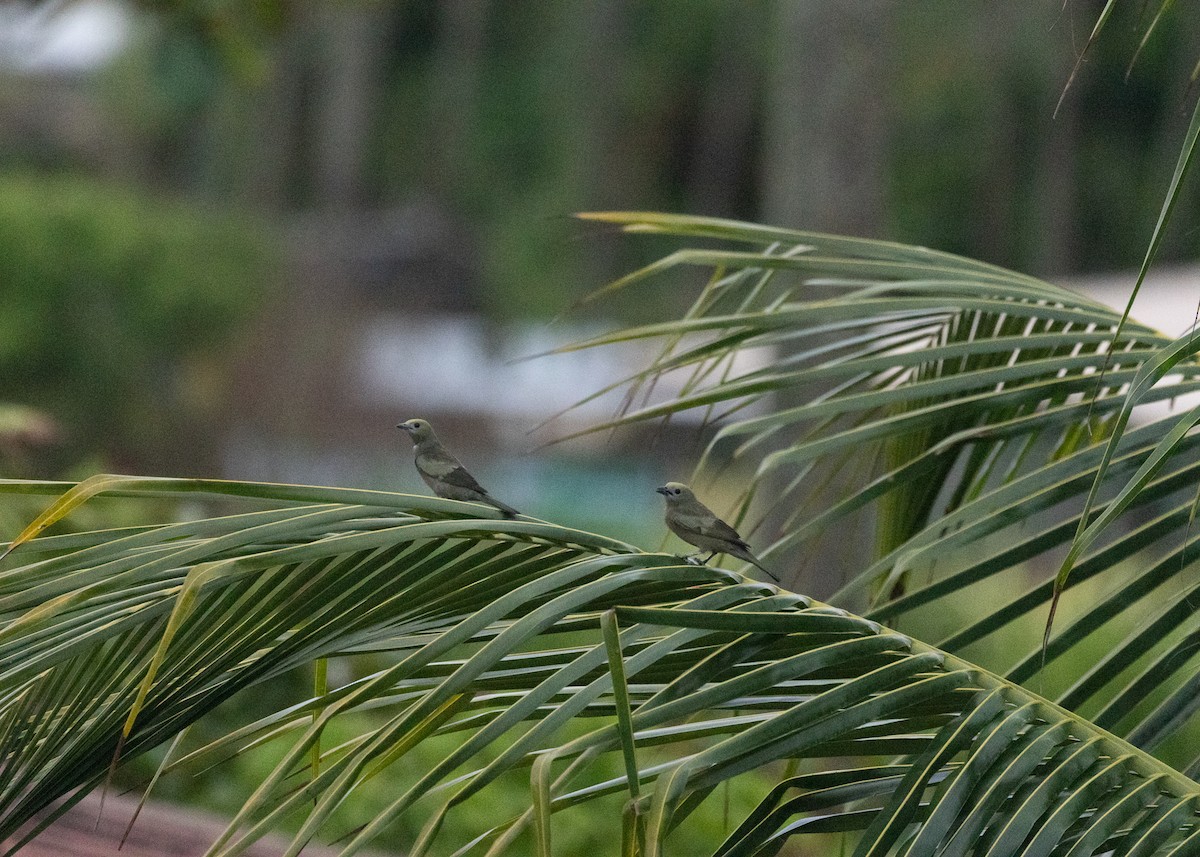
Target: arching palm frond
x=575, y=662
x=624, y=687
x=986, y=399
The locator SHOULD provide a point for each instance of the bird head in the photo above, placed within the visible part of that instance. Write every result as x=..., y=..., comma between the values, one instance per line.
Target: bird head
x=418, y=430
x=675, y=492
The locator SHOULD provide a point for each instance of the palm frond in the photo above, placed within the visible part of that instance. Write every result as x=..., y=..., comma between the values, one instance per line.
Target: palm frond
x=508, y=636
x=967, y=407
x=987, y=398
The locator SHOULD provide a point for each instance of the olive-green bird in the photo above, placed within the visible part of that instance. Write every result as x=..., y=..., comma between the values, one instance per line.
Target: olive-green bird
x=442, y=471
x=697, y=525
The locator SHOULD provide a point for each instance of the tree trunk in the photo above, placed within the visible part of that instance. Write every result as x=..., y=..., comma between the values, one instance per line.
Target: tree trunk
x=827, y=116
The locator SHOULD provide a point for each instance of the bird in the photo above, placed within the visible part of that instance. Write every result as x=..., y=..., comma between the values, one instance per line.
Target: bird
x=443, y=472
x=697, y=525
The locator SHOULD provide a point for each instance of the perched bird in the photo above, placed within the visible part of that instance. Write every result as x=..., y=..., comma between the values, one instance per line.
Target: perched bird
x=696, y=524
x=442, y=471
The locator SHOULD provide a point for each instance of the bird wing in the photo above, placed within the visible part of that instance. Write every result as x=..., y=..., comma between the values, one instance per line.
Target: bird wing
x=460, y=478
x=718, y=529
x=698, y=518
x=702, y=522
x=444, y=467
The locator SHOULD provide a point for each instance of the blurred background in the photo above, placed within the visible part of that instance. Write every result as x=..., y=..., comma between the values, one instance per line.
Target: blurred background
x=245, y=238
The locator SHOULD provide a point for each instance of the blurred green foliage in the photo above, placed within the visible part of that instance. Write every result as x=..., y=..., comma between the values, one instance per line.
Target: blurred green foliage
x=988, y=162
x=508, y=118
x=116, y=306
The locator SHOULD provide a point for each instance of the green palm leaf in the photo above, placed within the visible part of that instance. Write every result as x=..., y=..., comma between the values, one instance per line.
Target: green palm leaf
x=958, y=404
x=981, y=400
x=720, y=677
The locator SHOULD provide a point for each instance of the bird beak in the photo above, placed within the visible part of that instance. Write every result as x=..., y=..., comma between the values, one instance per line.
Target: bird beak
x=662, y=490
x=404, y=427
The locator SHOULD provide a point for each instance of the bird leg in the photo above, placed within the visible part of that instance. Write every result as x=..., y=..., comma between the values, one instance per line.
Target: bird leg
x=690, y=558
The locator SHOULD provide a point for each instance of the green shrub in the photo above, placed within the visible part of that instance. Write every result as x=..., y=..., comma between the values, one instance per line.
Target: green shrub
x=116, y=305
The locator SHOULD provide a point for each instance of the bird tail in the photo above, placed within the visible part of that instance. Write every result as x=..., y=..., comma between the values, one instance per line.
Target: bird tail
x=509, y=511
x=750, y=558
